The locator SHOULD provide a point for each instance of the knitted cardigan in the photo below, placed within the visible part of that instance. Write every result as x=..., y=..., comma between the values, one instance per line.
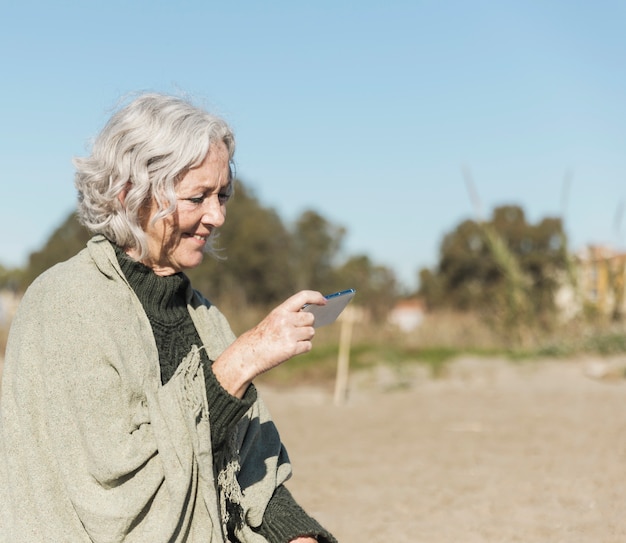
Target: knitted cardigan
x=92, y=447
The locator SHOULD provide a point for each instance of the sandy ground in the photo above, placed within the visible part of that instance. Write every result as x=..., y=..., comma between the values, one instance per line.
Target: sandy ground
x=493, y=452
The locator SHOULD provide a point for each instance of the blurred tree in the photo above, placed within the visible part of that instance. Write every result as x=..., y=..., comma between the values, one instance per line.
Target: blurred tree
x=315, y=246
x=505, y=266
x=431, y=288
x=10, y=278
x=376, y=286
x=69, y=238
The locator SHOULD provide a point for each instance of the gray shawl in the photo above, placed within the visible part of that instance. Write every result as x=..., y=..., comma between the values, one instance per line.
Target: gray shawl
x=92, y=446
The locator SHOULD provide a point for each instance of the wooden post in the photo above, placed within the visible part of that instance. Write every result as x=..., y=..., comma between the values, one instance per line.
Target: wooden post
x=343, y=359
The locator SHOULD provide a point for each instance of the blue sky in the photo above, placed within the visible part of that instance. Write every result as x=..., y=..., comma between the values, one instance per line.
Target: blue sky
x=364, y=111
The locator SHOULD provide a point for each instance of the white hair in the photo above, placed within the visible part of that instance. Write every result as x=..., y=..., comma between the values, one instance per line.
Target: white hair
x=145, y=149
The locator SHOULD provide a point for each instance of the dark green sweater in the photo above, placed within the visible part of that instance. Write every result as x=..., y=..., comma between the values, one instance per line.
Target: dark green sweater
x=163, y=299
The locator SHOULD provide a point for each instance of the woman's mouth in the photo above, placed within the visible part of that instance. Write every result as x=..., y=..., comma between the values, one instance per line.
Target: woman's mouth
x=199, y=238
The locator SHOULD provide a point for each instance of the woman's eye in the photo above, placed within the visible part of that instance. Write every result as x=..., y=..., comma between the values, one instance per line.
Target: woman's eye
x=225, y=194
x=222, y=197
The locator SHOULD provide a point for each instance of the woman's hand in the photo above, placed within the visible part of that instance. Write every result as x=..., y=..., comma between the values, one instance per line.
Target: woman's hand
x=284, y=333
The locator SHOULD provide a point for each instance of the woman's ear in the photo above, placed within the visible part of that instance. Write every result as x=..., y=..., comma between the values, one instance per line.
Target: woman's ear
x=122, y=195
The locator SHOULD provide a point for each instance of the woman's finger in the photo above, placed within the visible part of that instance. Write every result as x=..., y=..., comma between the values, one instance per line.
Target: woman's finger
x=302, y=298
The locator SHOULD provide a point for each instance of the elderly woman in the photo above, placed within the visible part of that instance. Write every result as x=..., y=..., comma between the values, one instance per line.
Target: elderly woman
x=128, y=412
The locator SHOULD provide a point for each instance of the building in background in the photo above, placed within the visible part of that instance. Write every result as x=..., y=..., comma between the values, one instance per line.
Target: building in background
x=601, y=279
x=407, y=314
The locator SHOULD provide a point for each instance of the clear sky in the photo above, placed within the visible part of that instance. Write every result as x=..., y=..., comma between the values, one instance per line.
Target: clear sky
x=366, y=111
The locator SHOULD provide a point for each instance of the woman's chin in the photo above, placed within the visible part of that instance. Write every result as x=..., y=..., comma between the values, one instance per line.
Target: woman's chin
x=192, y=260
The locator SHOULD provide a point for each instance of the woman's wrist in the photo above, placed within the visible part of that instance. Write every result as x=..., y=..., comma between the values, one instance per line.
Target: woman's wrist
x=232, y=372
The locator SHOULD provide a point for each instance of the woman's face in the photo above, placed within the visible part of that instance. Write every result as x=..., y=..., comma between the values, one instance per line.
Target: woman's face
x=177, y=242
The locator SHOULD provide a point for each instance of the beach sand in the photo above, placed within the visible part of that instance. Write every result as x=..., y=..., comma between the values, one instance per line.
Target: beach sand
x=492, y=452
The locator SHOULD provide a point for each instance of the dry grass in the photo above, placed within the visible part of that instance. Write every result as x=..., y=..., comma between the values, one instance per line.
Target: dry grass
x=454, y=330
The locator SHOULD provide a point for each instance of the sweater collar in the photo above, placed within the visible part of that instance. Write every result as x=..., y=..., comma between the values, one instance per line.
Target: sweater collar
x=161, y=296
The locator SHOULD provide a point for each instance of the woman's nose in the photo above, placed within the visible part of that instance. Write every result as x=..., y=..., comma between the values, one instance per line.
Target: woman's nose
x=214, y=212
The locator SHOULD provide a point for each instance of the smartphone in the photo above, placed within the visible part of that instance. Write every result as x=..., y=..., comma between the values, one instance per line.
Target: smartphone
x=327, y=314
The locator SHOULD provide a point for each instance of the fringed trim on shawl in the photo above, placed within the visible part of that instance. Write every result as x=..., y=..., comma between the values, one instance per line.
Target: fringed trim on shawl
x=231, y=497
x=190, y=368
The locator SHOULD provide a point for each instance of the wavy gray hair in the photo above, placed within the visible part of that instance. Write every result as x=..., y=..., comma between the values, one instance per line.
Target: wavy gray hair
x=145, y=148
